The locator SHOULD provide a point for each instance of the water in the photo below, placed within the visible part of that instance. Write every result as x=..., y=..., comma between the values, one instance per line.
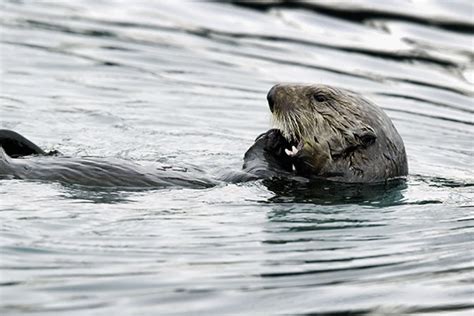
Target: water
x=185, y=83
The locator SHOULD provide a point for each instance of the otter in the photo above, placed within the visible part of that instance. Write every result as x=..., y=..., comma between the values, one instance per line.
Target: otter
x=323, y=132
x=320, y=133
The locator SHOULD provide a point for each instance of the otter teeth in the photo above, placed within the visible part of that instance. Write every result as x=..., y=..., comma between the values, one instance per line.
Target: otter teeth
x=291, y=152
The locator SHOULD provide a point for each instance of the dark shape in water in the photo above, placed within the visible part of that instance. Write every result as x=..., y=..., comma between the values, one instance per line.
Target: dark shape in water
x=15, y=145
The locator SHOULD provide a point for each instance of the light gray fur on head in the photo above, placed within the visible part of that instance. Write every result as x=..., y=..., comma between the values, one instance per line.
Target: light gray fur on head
x=342, y=131
x=300, y=116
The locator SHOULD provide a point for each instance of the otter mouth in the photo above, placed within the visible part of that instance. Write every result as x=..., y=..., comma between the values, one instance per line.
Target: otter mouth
x=286, y=150
x=295, y=145
x=292, y=143
x=289, y=127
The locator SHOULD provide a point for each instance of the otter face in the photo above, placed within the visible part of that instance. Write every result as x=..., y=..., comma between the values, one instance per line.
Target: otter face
x=333, y=132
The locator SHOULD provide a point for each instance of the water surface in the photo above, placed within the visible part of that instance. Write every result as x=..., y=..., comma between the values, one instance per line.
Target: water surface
x=185, y=83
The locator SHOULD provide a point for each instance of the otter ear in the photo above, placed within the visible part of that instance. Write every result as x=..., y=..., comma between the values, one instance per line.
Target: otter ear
x=365, y=136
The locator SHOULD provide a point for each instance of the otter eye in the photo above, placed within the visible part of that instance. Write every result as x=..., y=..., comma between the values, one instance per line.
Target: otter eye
x=319, y=97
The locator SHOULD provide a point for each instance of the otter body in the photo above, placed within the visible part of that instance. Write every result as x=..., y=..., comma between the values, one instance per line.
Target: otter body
x=22, y=159
x=321, y=132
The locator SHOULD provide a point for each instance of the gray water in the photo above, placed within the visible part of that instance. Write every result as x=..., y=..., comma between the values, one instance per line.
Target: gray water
x=184, y=83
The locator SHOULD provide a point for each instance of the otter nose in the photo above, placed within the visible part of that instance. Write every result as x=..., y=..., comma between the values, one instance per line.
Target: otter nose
x=271, y=98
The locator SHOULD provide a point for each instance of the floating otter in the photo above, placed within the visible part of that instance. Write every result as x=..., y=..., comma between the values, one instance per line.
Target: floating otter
x=327, y=133
x=321, y=133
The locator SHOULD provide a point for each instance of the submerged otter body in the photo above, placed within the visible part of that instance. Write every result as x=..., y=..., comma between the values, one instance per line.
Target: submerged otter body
x=22, y=159
x=320, y=132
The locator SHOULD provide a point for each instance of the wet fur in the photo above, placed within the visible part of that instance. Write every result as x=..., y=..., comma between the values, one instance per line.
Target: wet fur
x=346, y=137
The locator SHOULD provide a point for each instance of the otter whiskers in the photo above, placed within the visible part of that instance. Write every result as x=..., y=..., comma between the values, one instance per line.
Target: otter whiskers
x=294, y=125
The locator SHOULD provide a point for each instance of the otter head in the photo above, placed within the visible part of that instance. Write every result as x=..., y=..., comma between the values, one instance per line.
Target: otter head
x=336, y=134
